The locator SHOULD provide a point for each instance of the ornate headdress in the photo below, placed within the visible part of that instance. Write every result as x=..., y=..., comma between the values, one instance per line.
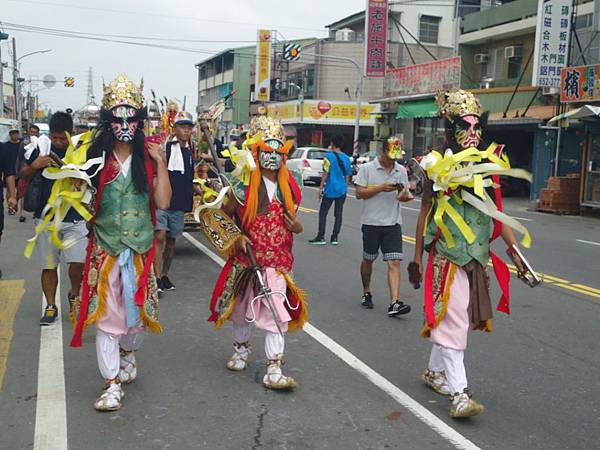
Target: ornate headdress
x=270, y=129
x=457, y=103
x=123, y=92
x=267, y=134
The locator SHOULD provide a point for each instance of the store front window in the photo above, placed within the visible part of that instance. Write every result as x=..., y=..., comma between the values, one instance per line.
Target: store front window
x=429, y=133
x=592, y=179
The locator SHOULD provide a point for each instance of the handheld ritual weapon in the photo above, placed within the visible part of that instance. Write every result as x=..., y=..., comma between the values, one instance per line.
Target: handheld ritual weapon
x=527, y=275
x=414, y=275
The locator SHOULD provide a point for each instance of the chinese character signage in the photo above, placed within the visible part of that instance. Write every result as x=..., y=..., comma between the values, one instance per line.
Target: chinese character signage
x=262, y=78
x=322, y=112
x=580, y=84
x=425, y=78
x=376, y=37
x=551, y=41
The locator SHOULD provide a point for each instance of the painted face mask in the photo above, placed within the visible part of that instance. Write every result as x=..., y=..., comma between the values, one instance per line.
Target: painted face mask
x=468, y=132
x=271, y=160
x=124, y=123
x=394, y=149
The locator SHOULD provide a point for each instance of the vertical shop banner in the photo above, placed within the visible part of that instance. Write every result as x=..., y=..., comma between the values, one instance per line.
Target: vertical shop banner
x=376, y=24
x=552, y=36
x=262, y=79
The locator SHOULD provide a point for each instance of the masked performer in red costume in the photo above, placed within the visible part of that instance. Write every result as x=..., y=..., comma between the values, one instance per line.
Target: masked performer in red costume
x=265, y=209
x=119, y=292
x=455, y=227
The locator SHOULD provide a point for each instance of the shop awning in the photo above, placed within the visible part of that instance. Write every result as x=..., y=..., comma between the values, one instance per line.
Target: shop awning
x=417, y=108
x=579, y=113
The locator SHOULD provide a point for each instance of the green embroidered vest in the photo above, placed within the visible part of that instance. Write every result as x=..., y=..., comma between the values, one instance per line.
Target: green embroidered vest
x=123, y=218
x=462, y=252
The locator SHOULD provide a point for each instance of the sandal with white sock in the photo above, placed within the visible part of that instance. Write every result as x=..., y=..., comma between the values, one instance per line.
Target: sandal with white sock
x=463, y=405
x=239, y=359
x=436, y=381
x=275, y=379
x=110, y=399
x=128, y=367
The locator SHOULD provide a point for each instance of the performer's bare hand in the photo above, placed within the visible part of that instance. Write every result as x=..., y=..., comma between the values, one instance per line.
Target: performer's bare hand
x=292, y=223
x=155, y=152
x=519, y=264
x=12, y=205
x=245, y=243
x=41, y=162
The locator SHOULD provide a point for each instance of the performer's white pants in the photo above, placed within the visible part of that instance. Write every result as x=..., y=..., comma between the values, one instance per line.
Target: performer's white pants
x=274, y=342
x=107, y=350
x=452, y=362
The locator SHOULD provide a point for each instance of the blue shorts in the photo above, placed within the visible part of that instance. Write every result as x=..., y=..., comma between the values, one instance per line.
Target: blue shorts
x=170, y=221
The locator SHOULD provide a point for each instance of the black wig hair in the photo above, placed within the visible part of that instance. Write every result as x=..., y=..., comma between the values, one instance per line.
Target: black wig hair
x=104, y=141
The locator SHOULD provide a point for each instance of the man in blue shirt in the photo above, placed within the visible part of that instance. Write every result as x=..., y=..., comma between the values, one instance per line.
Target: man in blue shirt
x=170, y=222
x=74, y=229
x=334, y=186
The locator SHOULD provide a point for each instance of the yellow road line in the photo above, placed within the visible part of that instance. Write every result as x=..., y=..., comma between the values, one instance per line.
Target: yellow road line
x=549, y=279
x=587, y=288
x=572, y=287
x=11, y=293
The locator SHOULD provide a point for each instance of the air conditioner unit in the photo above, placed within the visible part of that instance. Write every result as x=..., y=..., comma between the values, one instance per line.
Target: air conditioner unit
x=548, y=90
x=481, y=58
x=344, y=35
x=513, y=51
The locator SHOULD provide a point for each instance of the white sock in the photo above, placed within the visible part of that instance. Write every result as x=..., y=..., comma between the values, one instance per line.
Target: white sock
x=436, y=363
x=455, y=369
x=241, y=333
x=107, y=352
x=132, y=342
x=274, y=345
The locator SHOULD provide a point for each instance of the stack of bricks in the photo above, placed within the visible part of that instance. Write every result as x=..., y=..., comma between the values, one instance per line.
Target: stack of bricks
x=561, y=195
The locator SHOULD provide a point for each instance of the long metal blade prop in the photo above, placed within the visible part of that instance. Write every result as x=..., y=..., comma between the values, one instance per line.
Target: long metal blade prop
x=211, y=147
x=265, y=292
x=528, y=276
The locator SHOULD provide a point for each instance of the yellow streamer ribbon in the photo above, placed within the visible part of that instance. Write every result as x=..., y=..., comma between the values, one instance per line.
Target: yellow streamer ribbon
x=450, y=173
x=72, y=188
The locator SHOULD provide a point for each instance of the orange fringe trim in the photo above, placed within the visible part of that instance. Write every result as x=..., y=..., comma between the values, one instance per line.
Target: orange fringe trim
x=426, y=331
x=102, y=286
x=300, y=294
x=151, y=324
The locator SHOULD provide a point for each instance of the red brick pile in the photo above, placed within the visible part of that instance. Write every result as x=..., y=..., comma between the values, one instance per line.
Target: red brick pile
x=561, y=195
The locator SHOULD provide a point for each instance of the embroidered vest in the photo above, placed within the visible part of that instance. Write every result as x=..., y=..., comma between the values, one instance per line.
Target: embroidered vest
x=462, y=252
x=123, y=218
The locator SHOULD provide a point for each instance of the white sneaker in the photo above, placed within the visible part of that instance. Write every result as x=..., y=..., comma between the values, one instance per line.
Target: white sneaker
x=275, y=379
x=239, y=359
x=128, y=370
x=110, y=399
x=464, y=406
x=436, y=381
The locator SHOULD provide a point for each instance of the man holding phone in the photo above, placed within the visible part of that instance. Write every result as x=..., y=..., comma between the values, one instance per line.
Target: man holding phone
x=380, y=183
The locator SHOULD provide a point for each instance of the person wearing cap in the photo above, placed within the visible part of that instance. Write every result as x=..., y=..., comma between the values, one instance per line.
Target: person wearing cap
x=170, y=222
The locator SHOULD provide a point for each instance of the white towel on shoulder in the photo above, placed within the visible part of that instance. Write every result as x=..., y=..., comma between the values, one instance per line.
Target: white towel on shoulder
x=176, y=158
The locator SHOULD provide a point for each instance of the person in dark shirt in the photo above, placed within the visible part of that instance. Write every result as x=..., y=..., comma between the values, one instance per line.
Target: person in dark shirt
x=170, y=222
x=13, y=144
x=34, y=131
x=74, y=228
x=7, y=177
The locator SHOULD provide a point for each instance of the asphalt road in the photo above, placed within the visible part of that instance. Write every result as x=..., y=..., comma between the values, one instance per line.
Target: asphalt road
x=536, y=373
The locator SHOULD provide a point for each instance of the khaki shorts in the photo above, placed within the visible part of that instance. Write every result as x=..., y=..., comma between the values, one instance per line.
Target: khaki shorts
x=49, y=256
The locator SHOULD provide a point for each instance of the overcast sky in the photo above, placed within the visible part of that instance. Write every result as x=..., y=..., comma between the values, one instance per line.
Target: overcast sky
x=170, y=73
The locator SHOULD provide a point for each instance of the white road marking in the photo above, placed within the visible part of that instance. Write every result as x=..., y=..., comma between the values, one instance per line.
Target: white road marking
x=422, y=413
x=51, y=406
x=523, y=219
x=588, y=242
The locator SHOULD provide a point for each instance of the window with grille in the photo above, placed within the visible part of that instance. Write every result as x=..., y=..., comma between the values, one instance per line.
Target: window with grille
x=429, y=27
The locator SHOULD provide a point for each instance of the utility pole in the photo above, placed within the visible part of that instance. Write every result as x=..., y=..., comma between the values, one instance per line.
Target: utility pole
x=16, y=90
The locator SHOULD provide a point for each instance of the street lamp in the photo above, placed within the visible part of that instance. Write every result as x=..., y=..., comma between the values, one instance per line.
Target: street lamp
x=16, y=70
x=300, y=98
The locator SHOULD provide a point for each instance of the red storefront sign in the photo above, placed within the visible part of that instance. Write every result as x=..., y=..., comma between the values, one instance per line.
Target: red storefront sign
x=426, y=78
x=376, y=23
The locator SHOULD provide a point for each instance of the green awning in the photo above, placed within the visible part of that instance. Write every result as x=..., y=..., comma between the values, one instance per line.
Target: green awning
x=417, y=108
